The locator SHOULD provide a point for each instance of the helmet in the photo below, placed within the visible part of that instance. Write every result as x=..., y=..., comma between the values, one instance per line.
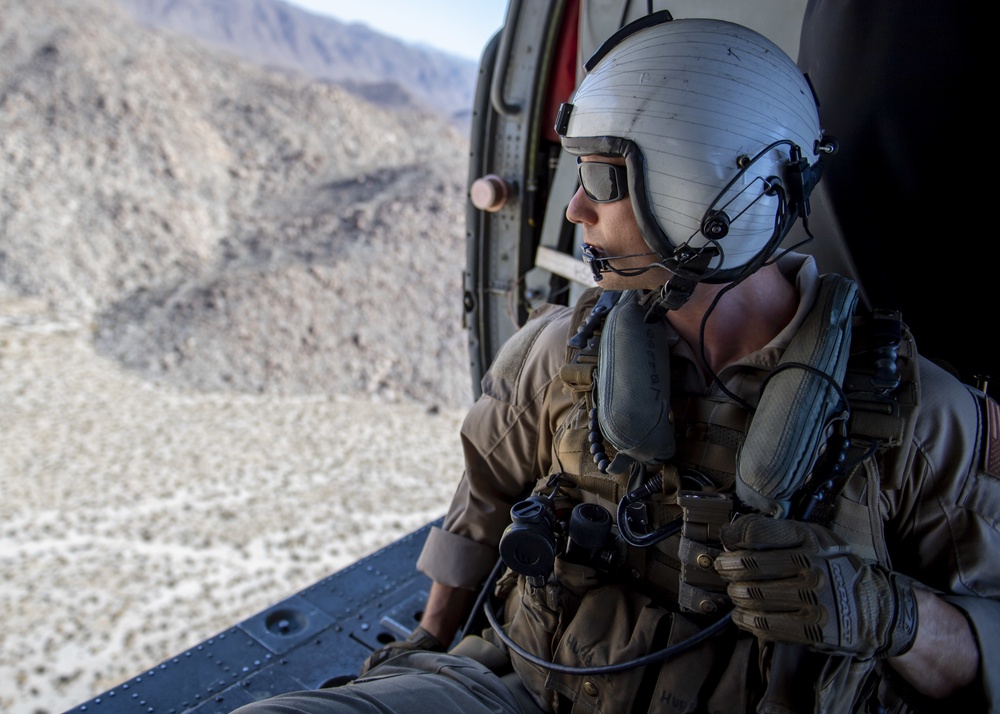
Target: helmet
x=719, y=132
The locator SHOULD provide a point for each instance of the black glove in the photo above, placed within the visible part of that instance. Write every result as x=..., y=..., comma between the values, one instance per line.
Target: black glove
x=419, y=639
x=797, y=582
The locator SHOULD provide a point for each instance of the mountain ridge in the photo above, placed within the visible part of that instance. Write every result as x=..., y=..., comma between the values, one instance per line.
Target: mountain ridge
x=276, y=34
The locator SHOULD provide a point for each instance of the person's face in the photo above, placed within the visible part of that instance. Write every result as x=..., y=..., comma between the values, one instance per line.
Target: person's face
x=610, y=229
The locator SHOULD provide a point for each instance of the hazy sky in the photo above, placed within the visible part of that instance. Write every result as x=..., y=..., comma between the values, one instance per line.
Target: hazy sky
x=461, y=27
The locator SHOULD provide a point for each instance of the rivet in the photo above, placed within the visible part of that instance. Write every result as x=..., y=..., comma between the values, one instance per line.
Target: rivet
x=590, y=689
x=705, y=561
x=707, y=606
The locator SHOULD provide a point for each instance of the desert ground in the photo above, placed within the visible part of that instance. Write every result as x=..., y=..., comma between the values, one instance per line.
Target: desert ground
x=139, y=519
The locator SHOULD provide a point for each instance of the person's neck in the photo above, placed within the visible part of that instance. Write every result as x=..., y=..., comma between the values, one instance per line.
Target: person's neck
x=747, y=317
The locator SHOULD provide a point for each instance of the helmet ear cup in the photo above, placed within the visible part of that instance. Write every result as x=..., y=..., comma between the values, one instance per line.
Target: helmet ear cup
x=715, y=225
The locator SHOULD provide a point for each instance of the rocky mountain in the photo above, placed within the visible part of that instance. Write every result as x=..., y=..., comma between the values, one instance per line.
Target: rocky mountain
x=274, y=33
x=221, y=226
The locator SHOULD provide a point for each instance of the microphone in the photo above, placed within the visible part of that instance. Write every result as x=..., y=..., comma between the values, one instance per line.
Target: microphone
x=597, y=264
x=602, y=264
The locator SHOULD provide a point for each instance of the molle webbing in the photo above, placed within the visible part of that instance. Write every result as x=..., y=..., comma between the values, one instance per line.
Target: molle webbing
x=710, y=432
x=581, y=351
x=609, y=489
x=606, y=487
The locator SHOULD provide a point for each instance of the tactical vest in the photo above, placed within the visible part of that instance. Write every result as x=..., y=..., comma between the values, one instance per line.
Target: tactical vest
x=625, y=602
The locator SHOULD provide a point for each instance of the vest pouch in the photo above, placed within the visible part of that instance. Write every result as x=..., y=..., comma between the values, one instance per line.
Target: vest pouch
x=577, y=620
x=612, y=624
x=719, y=675
x=536, y=617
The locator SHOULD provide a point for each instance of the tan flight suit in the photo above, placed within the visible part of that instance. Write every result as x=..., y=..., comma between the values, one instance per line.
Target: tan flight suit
x=931, y=510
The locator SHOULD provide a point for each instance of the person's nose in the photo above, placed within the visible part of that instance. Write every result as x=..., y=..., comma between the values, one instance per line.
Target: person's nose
x=581, y=208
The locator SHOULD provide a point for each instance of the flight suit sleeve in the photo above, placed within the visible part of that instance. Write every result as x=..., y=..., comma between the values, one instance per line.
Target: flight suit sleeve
x=943, y=507
x=506, y=439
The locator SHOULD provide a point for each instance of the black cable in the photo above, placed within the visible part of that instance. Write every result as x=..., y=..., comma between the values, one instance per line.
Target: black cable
x=482, y=597
x=792, y=248
x=651, y=658
x=812, y=370
x=625, y=528
x=749, y=269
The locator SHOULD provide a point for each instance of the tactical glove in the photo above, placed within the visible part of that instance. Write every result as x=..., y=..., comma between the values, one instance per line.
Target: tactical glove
x=419, y=639
x=797, y=582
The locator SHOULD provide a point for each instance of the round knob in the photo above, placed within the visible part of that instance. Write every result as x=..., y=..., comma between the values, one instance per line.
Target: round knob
x=589, y=526
x=489, y=193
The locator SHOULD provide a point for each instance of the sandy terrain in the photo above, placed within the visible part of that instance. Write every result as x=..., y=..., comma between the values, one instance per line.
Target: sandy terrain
x=138, y=519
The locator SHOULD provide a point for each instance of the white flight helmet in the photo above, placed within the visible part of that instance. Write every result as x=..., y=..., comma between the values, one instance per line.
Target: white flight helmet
x=719, y=132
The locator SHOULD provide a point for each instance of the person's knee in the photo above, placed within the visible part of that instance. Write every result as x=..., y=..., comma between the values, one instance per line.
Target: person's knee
x=412, y=681
x=320, y=701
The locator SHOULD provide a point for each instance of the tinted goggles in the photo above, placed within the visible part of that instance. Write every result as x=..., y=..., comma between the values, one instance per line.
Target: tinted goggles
x=603, y=182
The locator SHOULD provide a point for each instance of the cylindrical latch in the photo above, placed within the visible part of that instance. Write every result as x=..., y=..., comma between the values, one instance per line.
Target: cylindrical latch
x=489, y=193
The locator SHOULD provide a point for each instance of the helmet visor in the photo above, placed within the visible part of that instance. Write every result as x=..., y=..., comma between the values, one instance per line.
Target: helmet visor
x=603, y=182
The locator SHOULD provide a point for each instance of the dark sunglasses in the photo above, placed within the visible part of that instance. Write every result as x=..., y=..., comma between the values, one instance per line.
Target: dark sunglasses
x=603, y=182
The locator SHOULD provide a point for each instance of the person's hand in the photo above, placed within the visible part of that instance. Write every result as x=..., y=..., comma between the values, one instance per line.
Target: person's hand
x=797, y=582
x=419, y=639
